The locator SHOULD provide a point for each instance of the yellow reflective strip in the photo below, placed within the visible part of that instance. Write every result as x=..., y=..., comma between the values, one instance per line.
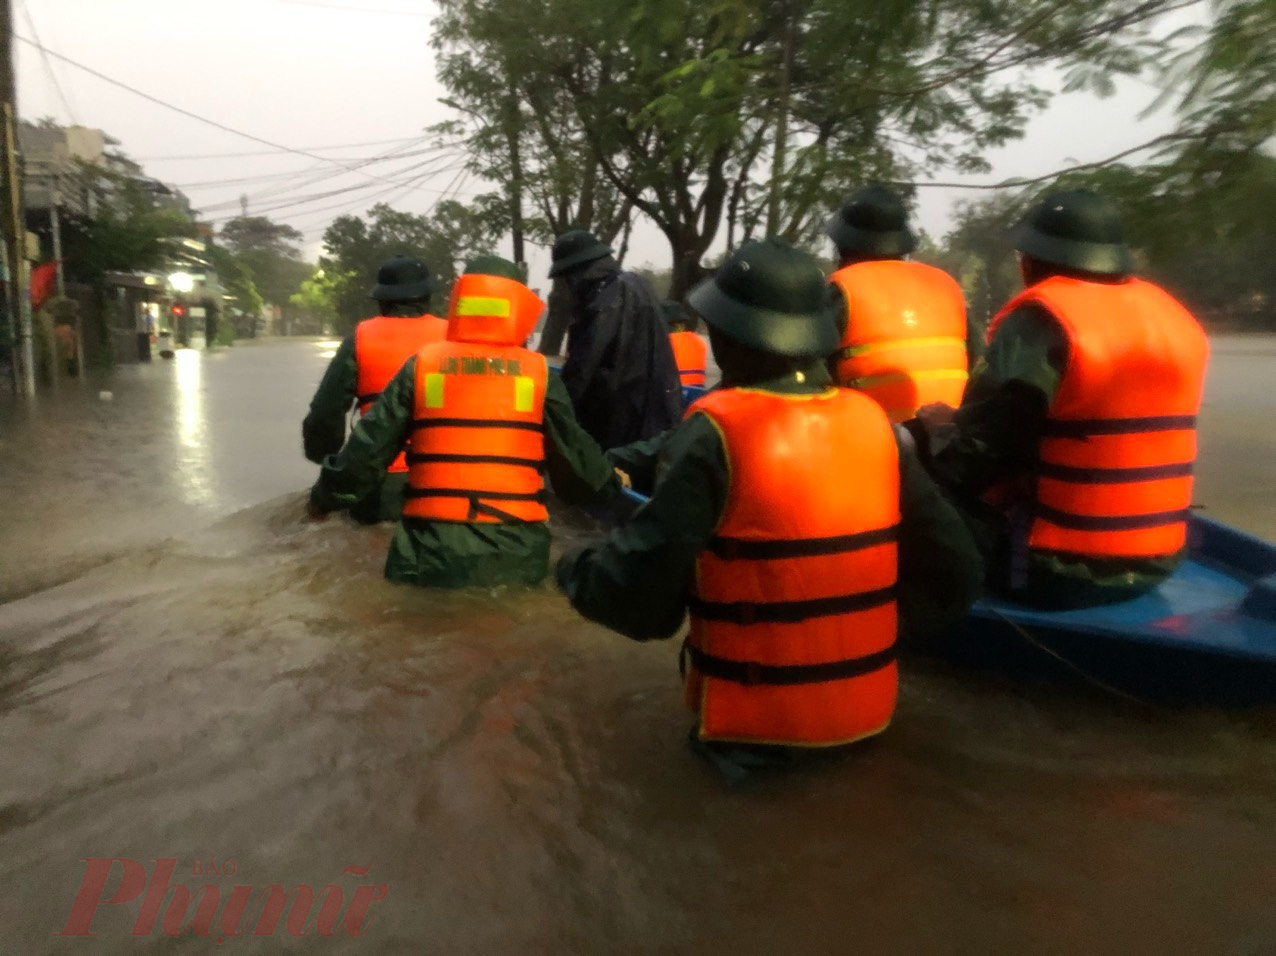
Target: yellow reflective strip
x=433, y=390
x=856, y=351
x=891, y=378
x=524, y=393
x=482, y=305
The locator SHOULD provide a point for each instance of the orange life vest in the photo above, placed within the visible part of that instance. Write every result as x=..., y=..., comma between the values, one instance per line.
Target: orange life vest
x=691, y=354
x=1114, y=468
x=381, y=346
x=477, y=446
x=793, y=616
x=905, y=338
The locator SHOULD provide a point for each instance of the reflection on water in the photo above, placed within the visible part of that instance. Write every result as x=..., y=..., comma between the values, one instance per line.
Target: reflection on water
x=194, y=449
x=255, y=691
x=327, y=348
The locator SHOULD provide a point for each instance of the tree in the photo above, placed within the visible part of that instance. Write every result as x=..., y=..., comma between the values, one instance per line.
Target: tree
x=259, y=234
x=355, y=249
x=269, y=251
x=760, y=115
x=520, y=125
x=238, y=281
x=314, y=299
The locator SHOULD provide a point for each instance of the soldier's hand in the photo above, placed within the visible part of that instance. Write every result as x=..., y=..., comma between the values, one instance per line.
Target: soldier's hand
x=935, y=415
x=625, y=480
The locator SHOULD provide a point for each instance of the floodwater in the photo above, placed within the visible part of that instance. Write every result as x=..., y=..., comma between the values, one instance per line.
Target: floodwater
x=190, y=671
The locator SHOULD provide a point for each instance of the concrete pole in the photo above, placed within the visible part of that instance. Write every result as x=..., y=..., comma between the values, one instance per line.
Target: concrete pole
x=15, y=228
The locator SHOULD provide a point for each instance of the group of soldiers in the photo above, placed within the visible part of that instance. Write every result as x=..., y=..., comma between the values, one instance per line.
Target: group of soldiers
x=865, y=466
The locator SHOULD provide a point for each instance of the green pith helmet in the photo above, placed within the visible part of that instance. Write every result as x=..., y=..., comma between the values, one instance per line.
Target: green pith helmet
x=769, y=296
x=576, y=248
x=1077, y=229
x=872, y=221
x=490, y=265
x=403, y=279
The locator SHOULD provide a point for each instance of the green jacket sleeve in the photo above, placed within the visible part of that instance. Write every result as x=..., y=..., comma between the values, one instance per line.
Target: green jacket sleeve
x=324, y=430
x=578, y=469
x=638, y=581
x=351, y=474
x=641, y=460
x=996, y=431
x=940, y=568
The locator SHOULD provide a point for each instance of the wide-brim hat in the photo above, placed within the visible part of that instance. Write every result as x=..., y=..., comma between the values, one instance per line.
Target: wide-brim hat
x=1076, y=229
x=770, y=296
x=574, y=249
x=403, y=279
x=873, y=221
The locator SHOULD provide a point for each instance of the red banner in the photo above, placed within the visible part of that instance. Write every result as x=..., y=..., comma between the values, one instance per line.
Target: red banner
x=44, y=279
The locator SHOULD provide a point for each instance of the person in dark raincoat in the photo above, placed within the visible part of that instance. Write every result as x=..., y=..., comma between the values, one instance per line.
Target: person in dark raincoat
x=620, y=370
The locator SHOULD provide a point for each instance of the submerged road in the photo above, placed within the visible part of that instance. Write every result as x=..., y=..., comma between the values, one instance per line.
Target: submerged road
x=191, y=672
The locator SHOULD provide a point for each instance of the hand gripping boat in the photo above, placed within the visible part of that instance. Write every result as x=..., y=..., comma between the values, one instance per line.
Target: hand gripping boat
x=1207, y=634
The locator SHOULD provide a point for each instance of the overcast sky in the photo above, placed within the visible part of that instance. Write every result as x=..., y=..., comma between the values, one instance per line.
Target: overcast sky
x=348, y=81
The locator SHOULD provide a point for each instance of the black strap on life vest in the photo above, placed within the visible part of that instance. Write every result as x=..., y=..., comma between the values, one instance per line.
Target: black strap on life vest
x=478, y=500
x=367, y=399
x=1076, y=522
x=475, y=423
x=1112, y=476
x=744, y=549
x=424, y=458
x=789, y=612
x=750, y=673
x=1083, y=428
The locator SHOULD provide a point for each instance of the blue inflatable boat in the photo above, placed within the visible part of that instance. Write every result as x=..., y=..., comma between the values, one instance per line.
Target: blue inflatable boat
x=1207, y=634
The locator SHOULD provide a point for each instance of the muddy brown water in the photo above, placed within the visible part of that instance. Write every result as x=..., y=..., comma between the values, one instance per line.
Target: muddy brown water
x=190, y=671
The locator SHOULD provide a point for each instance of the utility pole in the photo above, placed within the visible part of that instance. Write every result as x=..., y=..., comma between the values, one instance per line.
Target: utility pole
x=14, y=222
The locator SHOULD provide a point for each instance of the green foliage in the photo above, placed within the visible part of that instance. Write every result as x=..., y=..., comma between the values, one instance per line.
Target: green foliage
x=316, y=296
x=129, y=232
x=355, y=249
x=237, y=278
x=758, y=115
x=268, y=250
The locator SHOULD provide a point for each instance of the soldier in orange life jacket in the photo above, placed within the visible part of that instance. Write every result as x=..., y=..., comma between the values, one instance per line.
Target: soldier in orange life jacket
x=790, y=524
x=364, y=363
x=689, y=350
x=483, y=421
x=904, y=337
x=1074, y=445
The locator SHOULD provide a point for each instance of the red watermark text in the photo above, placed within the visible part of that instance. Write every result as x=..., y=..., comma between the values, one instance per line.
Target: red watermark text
x=247, y=911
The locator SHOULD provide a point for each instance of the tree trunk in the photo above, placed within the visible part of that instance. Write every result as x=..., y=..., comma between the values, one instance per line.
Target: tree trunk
x=687, y=271
x=557, y=321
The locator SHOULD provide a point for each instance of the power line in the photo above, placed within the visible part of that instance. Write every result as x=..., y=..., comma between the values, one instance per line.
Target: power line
x=279, y=193
x=184, y=112
x=48, y=64
x=409, y=185
x=295, y=173
x=274, y=152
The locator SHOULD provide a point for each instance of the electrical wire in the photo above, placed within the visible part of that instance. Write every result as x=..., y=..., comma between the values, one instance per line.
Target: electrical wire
x=275, y=152
x=184, y=112
x=48, y=64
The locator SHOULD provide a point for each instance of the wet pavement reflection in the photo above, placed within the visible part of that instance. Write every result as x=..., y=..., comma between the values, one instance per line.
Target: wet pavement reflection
x=189, y=670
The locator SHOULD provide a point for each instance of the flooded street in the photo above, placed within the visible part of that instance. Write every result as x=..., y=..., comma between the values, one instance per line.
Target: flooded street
x=191, y=671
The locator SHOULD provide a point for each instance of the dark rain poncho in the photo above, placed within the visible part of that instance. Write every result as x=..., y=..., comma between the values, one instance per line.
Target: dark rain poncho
x=620, y=370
